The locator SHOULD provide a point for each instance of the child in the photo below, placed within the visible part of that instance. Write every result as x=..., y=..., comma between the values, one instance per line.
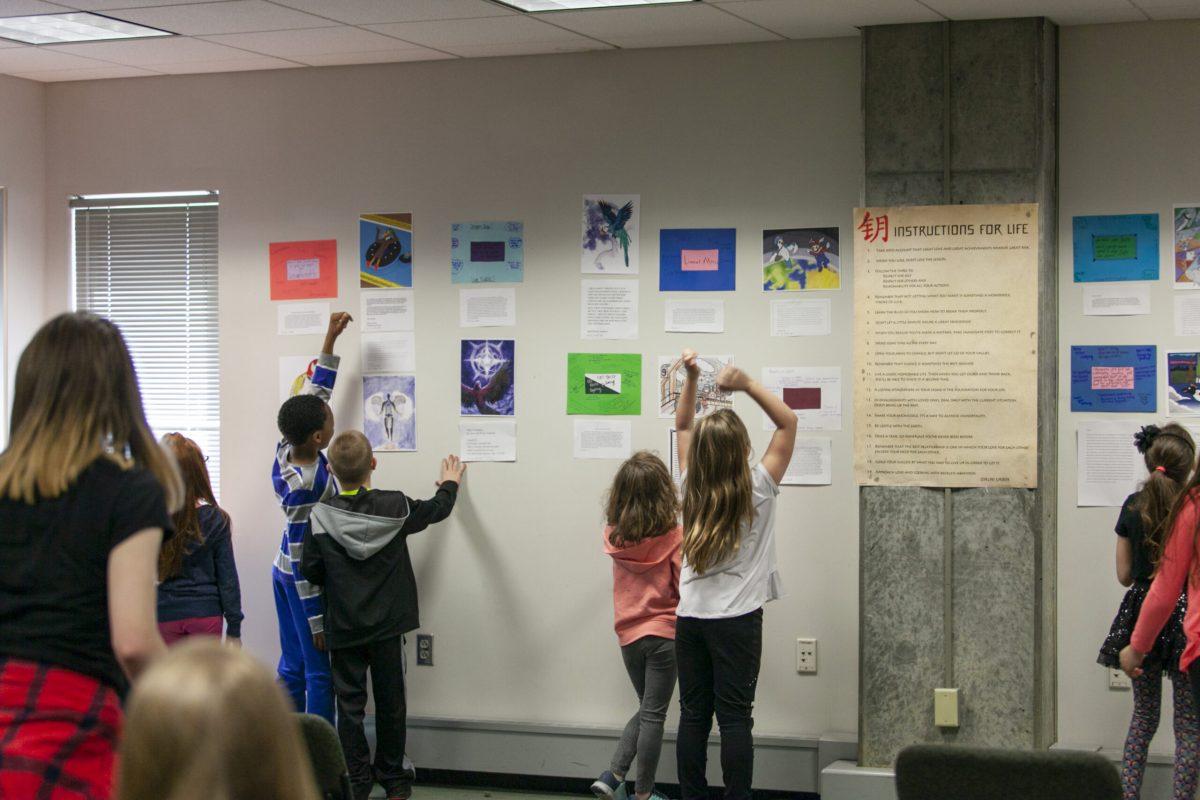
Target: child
x=207, y=721
x=1169, y=455
x=198, y=576
x=300, y=476
x=357, y=549
x=643, y=536
x=85, y=492
x=729, y=572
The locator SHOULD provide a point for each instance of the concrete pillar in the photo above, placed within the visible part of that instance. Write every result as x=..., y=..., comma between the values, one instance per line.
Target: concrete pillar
x=957, y=587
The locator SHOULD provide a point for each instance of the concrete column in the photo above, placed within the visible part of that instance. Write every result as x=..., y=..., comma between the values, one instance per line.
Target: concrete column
x=958, y=586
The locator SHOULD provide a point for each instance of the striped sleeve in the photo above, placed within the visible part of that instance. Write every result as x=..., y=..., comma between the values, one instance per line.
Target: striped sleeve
x=323, y=377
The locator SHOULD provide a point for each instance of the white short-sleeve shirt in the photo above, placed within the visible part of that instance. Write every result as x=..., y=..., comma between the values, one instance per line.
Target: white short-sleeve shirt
x=747, y=580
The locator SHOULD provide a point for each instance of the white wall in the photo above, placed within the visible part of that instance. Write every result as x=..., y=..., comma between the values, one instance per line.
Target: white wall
x=1129, y=120
x=22, y=177
x=514, y=588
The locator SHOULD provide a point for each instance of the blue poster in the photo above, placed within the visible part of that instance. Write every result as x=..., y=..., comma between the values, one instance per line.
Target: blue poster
x=385, y=251
x=390, y=412
x=696, y=259
x=487, y=372
x=487, y=252
x=1119, y=377
x=1116, y=248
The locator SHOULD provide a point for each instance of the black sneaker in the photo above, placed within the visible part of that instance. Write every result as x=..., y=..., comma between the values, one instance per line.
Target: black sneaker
x=607, y=787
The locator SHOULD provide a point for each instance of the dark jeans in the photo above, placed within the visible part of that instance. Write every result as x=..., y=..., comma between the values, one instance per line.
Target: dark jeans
x=718, y=662
x=385, y=659
x=650, y=662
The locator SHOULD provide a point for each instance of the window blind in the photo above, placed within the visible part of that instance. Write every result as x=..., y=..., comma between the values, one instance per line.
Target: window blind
x=150, y=266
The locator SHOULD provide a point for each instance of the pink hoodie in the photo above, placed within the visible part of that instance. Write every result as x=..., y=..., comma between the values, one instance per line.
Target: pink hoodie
x=645, y=586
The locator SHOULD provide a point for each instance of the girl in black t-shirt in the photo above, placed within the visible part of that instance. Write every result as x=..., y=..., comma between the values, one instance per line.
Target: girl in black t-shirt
x=84, y=497
x=1169, y=454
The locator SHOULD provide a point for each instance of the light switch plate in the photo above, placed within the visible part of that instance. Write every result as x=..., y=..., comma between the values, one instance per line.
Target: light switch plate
x=945, y=708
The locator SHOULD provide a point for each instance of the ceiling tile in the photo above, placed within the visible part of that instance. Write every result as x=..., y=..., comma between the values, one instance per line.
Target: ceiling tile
x=1063, y=12
x=233, y=16
x=373, y=57
x=20, y=8
x=828, y=18
x=517, y=29
x=527, y=48
x=1172, y=12
x=365, y=12
x=91, y=74
x=687, y=24
x=249, y=62
x=148, y=52
x=40, y=59
x=113, y=5
x=313, y=41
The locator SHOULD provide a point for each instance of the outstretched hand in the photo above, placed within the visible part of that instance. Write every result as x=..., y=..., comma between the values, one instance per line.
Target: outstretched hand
x=452, y=470
x=732, y=379
x=338, y=321
x=689, y=362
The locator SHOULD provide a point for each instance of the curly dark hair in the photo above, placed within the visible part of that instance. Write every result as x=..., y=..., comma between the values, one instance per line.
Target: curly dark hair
x=300, y=417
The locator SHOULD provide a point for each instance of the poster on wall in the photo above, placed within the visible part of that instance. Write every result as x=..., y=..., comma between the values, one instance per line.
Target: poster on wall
x=493, y=440
x=385, y=251
x=293, y=372
x=604, y=383
x=697, y=259
x=611, y=223
x=487, y=376
x=937, y=403
x=814, y=394
x=709, y=398
x=801, y=260
x=487, y=252
x=1114, y=378
x=1187, y=247
x=390, y=412
x=303, y=270
x=1121, y=247
x=673, y=456
x=1107, y=464
x=1181, y=385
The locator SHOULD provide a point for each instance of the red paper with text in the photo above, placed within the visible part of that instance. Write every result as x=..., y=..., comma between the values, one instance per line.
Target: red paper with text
x=304, y=270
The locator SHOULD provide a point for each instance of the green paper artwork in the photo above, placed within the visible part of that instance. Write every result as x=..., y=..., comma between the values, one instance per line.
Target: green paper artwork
x=604, y=383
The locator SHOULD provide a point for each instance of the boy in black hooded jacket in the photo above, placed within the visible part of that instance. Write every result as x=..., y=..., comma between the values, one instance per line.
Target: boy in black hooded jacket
x=356, y=549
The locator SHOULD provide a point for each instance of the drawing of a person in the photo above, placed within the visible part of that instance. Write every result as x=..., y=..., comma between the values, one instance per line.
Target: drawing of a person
x=389, y=416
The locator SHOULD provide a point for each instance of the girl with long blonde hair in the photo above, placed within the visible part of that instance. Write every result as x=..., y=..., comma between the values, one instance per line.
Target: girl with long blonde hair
x=85, y=496
x=729, y=572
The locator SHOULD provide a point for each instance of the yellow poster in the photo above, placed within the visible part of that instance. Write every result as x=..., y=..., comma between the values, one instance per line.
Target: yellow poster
x=945, y=345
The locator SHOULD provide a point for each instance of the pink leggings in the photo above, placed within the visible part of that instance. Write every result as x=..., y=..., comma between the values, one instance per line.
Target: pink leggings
x=1147, y=703
x=172, y=632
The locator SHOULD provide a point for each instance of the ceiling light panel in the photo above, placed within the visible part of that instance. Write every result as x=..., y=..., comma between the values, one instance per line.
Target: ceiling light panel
x=74, y=27
x=578, y=5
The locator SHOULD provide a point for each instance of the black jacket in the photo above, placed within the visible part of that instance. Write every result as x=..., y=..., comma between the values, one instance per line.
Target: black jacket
x=356, y=547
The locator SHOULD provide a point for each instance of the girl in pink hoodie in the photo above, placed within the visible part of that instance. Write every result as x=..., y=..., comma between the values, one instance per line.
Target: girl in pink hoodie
x=643, y=537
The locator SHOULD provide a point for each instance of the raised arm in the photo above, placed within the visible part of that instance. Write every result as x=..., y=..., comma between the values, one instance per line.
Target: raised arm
x=325, y=373
x=685, y=407
x=779, y=452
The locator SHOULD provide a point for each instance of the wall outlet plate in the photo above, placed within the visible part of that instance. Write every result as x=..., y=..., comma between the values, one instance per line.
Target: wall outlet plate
x=1118, y=681
x=945, y=708
x=424, y=649
x=806, y=656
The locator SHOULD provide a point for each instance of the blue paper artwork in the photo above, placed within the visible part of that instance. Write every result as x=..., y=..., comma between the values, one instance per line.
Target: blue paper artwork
x=1115, y=248
x=390, y=412
x=486, y=373
x=487, y=252
x=1114, y=378
x=696, y=259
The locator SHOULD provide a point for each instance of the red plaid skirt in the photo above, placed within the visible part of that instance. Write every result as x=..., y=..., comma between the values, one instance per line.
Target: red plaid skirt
x=58, y=733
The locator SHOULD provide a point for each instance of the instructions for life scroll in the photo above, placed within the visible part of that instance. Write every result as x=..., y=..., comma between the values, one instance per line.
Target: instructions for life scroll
x=945, y=346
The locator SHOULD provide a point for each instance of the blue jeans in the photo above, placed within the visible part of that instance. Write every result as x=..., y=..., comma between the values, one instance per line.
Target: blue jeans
x=303, y=669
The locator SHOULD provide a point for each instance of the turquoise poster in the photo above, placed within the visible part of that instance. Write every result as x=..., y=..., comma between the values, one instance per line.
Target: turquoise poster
x=487, y=252
x=1115, y=248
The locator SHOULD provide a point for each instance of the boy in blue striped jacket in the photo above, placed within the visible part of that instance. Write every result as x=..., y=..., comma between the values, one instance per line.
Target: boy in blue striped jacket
x=301, y=479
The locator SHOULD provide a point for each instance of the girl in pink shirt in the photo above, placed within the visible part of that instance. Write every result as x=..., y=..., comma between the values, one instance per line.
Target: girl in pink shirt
x=642, y=537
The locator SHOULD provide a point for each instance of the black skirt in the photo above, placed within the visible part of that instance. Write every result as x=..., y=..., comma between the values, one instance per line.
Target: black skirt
x=1167, y=648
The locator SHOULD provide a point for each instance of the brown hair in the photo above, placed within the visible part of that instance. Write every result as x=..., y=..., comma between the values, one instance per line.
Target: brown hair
x=718, y=498
x=208, y=722
x=197, y=486
x=76, y=399
x=642, y=503
x=350, y=457
x=1169, y=454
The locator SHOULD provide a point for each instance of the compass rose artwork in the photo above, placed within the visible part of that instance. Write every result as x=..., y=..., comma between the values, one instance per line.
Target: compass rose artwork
x=487, y=371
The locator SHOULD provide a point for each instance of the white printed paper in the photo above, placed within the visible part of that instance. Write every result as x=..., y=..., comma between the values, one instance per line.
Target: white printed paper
x=303, y=269
x=387, y=310
x=493, y=440
x=293, y=370
x=695, y=316
x=673, y=456
x=596, y=438
x=609, y=309
x=813, y=393
x=389, y=353
x=801, y=317
x=811, y=464
x=1116, y=299
x=1109, y=465
x=1187, y=315
x=487, y=308
x=298, y=319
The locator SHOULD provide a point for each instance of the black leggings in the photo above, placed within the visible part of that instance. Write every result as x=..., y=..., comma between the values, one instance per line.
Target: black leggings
x=718, y=662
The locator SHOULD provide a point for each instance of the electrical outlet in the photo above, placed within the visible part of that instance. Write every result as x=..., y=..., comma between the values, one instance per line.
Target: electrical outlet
x=1118, y=680
x=945, y=708
x=806, y=656
x=424, y=649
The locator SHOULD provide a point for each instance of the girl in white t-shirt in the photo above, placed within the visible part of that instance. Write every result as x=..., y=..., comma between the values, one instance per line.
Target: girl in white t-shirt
x=729, y=572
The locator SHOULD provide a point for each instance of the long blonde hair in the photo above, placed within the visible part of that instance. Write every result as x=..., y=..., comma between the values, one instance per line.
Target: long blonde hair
x=208, y=722
x=76, y=399
x=718, y=498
